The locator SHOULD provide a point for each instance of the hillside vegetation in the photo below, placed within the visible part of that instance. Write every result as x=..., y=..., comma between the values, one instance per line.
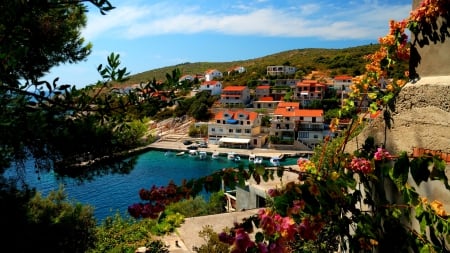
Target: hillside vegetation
x=335, y=61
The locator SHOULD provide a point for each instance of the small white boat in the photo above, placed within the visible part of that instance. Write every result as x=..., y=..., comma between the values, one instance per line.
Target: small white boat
x=180, y=153
x=202, y=155
x=275, y=161
x=237, y=158
x=258, y=160
x=231, y=156
x=215, y=155
x=251, y=158
x=193, y=153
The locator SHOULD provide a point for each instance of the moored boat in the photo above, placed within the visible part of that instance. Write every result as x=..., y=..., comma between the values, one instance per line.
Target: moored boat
x=251, y=158
x=258, y=160
x=193, y=153
x=202, y=155
x=180, y=153
x=231, y=156
x=215, y=155
x=275, y=161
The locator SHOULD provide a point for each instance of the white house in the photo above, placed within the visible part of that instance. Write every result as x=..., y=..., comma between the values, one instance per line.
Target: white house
x=214, y=87
x=342, y=83
x=211, y=74
x=280, y=70
x=238, y=69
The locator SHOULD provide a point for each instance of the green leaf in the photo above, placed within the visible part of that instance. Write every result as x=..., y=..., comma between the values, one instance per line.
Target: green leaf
x=419, y=170
x=423, y=224
x=260, y=170
x=259, y=237
x=396, y=213
x=425, y=249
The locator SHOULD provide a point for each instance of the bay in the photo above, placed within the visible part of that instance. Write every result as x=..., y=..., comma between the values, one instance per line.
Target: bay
x=114, y=192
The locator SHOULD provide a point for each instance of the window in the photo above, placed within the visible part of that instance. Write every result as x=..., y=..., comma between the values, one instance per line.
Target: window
x=247, y=131
x=220, y=130
x=313, y=119
x=287, y=126
x=248, y=122
x=303, y=135
x=213, y=129
x=230, y=130
x=238, y=130
x=316, y=136
x=287, y=118
x=218, y=121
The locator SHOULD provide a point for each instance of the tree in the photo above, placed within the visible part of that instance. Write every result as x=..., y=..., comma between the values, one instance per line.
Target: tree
x=38, y=114
x=39, y=117
x=48, y=33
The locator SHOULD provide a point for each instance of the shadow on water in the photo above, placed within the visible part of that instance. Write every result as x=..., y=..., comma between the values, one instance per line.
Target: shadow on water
x=89, y=173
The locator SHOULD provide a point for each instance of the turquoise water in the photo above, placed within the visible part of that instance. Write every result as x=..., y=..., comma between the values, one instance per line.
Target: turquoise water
x=114, y=192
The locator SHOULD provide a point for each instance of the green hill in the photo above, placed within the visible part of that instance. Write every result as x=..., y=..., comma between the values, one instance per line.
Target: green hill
x=336, y=61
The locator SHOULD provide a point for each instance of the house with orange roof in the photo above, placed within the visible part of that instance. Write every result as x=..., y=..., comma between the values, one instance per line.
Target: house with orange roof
x=212, y=74
x=266, y=103
x=214, y=87
x=307, y=91
x=235, y=96
x=189, y=78
x=262, y=91
x=290, y=124
x=236, y=69
x=235, y=128
x=342, y=83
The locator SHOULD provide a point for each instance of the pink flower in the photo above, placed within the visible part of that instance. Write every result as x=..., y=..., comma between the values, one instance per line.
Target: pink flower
x=381, y=154
x=361, y=165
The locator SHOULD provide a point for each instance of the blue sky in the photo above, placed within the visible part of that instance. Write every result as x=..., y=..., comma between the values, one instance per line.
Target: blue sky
x=150, y=34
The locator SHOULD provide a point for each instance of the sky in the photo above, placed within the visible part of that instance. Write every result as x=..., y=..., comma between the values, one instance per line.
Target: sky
x=151, y=34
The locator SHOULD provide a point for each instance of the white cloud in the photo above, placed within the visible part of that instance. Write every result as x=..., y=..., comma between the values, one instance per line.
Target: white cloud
x=366, y=20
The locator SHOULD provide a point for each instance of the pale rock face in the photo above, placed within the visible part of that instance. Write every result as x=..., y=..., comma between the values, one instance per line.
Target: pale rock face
x=421, y=117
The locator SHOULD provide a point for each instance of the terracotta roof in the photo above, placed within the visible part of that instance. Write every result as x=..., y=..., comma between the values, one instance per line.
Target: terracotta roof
x=266, y=99
x=234, y=88
x=343, y=77
x=298, y=112
x=234, y=114
x=263, y=87
x=211, y=70
x=308, y=83
x=289, y=104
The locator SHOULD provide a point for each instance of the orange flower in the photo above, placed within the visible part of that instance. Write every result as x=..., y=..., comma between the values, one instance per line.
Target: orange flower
x=438, y=207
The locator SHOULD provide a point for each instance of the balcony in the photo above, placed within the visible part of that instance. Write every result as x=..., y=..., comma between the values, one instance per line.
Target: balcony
x=315, y=127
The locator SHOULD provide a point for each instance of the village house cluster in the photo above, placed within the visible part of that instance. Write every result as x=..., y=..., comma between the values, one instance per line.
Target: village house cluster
x=237, y=120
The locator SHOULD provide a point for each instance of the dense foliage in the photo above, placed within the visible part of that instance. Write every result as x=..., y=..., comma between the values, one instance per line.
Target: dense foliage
x=119, y=234
x=47, y=224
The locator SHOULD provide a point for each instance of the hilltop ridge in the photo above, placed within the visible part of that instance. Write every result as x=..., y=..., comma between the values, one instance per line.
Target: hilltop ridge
x=336, y=61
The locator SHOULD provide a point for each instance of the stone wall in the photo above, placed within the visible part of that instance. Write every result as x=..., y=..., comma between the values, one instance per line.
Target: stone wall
x=421, y=119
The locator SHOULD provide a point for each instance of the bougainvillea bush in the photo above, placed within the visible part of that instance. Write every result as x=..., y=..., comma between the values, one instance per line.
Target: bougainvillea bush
x=365, y=201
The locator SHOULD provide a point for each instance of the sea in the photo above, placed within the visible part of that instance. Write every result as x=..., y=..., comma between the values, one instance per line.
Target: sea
x=112, y=191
